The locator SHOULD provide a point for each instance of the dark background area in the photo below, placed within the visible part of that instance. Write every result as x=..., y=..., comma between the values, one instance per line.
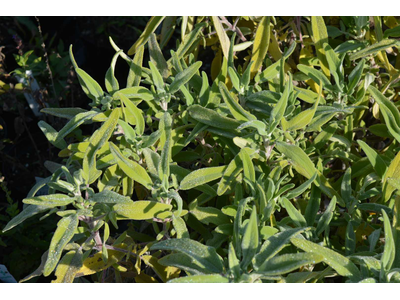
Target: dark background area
x=23, y=147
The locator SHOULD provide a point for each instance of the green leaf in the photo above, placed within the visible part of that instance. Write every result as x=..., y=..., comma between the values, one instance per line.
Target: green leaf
x=96, y=141
x=301, y=120
x=234, y=107
x=320, y=36
x=315, y=75
x=355, y=77
x=375, y=48
x=326, y=217
x=342, y=265
x=211, y=117
x=274, y=244
x=213, y=278
x=109, y=197
x=346, y=189
x=69, y=266
x=111, y=82
x=91, y=88
x=303, y=164
x=376, y=161
x=151, y=26
x=280, y=108
x=65, y=112
x=135, y=112
x=27, y=212
x=157, y=57
x=209, y=215
x=163, y=168
x=392, y=172
x=300, y=189
x=183, y=77
x=229, y=175
x=135, y=69
x=180, y=227
x=204, y=256
x=260, y=45
x=131, y=168
x=65, y=231
x=350, y=242
x=248, y=167
x=389, y=111
x=335, y=65
x=201, y=176
x=250, y=240
x=294, y=214
x=143, y=210
x=223, y=37
x=286, y=263
x=51, y=135
x=389, y=251
x=157, y=78
x=53, y=200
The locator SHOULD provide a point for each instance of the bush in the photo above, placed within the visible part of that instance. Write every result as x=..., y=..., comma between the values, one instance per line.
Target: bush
x=282, y=168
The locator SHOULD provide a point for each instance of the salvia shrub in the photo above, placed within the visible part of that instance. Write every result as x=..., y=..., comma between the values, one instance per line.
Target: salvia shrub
x=277, y=162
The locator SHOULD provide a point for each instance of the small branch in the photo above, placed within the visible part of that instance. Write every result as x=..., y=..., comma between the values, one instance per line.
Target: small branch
x=109, y=247
x=47, y=61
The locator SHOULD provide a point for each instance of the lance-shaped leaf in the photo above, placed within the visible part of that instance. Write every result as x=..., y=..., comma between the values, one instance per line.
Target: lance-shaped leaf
x=69, y=266
x=91, y=88
x=335, y=65
x=212, y=118
x=29, y=211
x=109, y=197
x=279, y=109
x=313, y=206
x=301, y=188
x=204, y=256
x=320, y=36
x=209, y=215
x=234, y=107
x=158, y=81
x=274, y=244
x=65, y=112
x=142, y=210
x=315, y=75
x=375, y=48
x=163, y=168
x=189, y=41
x=260, y=45
x=389, y=111
x=301, y=120
x=180, y=227
x=111, y=81
x=131, y=168
x=260, y=126
x=389, y=251
x=229, y=175
x=342, y=265
x=135, y=69
x=157, y=57
x=376, y=161
x=53, y=200
x=326, y=217
x=74, y=123
x=392, y=172
x=183, y=77
x=250, y=240
x=151, y=26
x=294, y=214
x=303, y=164
x=201, y=176
x=51, y=135
x=223, y=37
x=248, y=167
x=212, y=278
x=286, y=263
x=97, y=140
x=355, y=77
x=65, y=231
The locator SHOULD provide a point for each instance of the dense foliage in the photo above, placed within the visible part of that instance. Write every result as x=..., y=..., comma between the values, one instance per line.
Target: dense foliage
x=277, y=162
